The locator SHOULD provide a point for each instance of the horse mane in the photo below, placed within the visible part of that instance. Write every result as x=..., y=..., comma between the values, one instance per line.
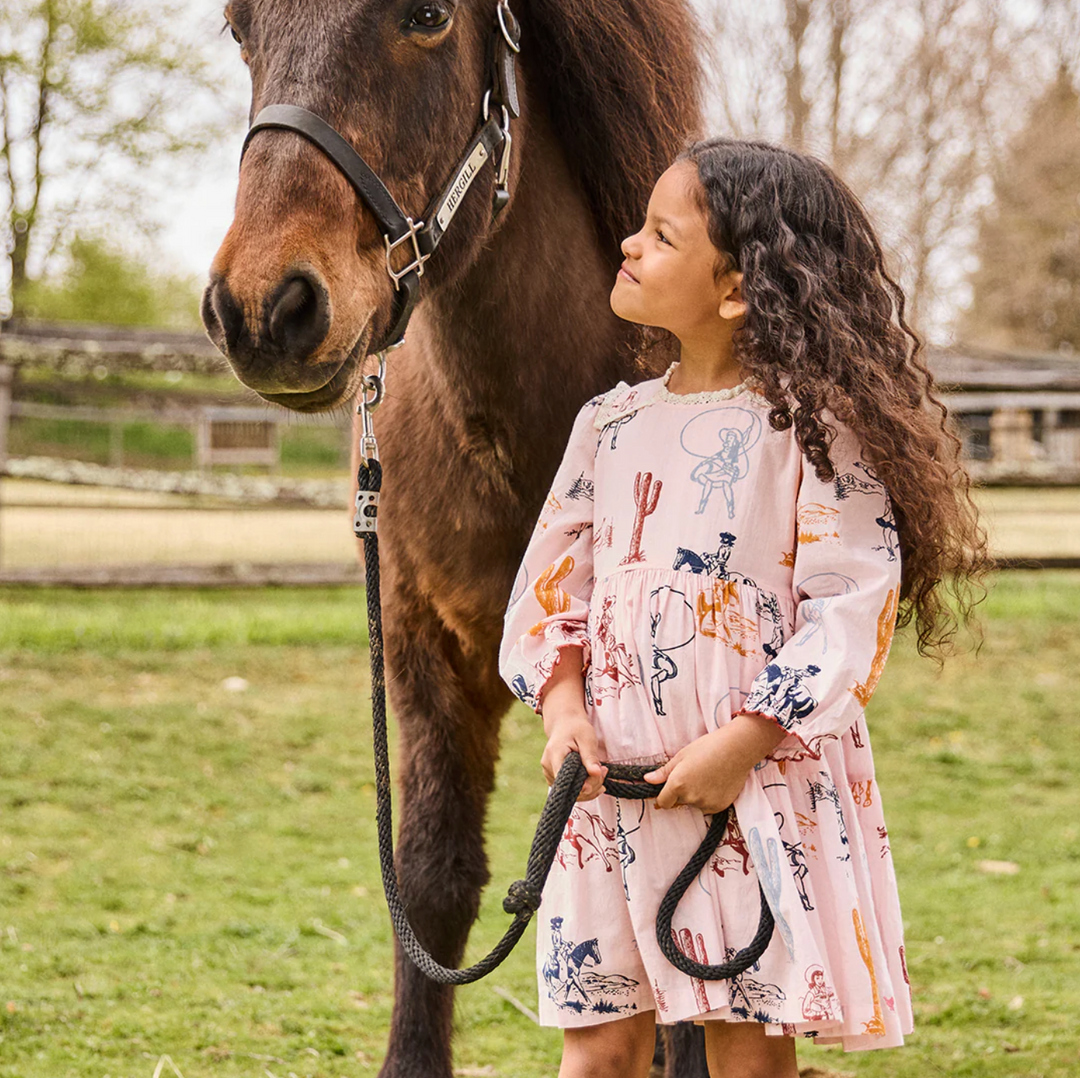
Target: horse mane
x=622, y=82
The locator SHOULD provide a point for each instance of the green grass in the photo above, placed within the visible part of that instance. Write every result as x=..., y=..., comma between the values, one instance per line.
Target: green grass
x=176, y=858
x=119, y=388
x=57, y=623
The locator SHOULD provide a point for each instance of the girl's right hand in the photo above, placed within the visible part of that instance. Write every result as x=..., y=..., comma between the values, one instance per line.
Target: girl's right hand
x=573, y=731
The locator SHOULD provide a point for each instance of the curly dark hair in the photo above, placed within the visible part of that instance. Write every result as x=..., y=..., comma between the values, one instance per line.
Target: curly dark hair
x=825, y=332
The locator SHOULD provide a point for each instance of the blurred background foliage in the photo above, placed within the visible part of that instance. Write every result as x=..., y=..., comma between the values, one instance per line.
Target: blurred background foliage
x=103, y=284
x=102, y=104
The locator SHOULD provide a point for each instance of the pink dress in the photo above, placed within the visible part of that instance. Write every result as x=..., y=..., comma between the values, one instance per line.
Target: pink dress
x=703, y=569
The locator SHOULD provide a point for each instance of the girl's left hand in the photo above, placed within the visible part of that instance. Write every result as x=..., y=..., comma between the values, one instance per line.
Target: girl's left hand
x=710, y=772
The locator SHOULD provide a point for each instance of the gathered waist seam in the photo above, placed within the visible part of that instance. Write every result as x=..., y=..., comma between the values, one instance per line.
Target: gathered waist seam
x=620, y=570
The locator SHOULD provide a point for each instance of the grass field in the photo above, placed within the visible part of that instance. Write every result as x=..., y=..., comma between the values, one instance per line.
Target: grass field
x=187, y=867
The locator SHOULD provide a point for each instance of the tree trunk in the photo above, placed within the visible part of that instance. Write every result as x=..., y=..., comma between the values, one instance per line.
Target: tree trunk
x=798, y=108
x=841, y=20
x=19, y=252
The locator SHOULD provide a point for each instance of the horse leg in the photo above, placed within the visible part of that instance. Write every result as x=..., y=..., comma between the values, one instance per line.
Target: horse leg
x=684, y=1051
x=448, y=747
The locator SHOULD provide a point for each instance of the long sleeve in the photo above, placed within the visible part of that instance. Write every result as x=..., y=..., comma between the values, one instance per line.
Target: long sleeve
x=847, y=586
x=549, y=606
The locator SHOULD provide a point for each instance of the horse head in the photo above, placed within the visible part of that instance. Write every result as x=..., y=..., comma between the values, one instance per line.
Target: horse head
x=588, y=949
x=299, y=291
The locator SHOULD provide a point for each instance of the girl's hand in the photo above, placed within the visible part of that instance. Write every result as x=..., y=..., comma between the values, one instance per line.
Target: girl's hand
x=710, y=772
x=573, y=731
x=567, y=724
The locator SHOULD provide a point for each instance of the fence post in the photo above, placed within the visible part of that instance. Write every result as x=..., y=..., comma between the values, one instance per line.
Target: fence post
x=202, y=441
x=7, y=373
x=116, y=445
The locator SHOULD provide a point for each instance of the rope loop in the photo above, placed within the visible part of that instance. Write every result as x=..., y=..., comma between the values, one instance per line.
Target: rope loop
x=523, y=898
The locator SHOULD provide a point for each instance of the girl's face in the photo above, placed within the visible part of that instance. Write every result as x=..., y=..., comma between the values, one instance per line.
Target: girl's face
x=667, y=279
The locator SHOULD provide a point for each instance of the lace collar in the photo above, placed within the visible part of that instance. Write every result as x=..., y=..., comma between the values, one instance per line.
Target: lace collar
x=706, y=395
x=624, y=399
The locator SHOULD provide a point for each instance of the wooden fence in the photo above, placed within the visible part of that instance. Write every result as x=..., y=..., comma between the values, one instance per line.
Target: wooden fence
x=221, y=435
x=222, y=529
x=1018, y=416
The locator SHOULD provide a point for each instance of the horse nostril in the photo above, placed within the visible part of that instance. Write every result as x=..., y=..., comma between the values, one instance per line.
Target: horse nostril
x=222, y=315
x=206, y=313
x=299, y=318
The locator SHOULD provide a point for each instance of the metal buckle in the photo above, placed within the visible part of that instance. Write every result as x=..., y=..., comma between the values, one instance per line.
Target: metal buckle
x=417, y=263
x=504, y=6
x=376, y=384
x=504, y=158
x=366, y=517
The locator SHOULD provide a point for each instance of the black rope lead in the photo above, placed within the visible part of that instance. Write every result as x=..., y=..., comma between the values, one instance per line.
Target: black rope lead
x=523, y=899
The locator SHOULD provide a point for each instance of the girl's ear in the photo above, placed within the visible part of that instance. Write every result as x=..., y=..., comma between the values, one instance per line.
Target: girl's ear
x=732, y=305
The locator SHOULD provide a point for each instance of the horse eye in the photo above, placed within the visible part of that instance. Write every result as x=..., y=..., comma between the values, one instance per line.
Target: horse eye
x=430, y=16
x=235, y=36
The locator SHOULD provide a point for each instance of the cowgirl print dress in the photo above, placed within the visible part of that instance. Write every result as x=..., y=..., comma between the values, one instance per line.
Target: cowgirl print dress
x=704, y=570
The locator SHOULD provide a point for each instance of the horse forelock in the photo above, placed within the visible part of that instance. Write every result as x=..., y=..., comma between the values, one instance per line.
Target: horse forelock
x=408, y=110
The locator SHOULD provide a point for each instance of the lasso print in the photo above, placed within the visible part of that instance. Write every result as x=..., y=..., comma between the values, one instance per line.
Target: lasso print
x=813, y=610
x=671, y=619
x=723, y=438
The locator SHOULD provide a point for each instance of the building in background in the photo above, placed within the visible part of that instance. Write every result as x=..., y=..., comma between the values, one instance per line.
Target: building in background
x=1017, y=413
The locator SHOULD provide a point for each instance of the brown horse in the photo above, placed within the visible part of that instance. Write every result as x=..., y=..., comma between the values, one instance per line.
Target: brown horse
x=512, y=335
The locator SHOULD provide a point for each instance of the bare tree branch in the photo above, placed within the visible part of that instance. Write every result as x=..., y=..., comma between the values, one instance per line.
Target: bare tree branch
x=106, y=73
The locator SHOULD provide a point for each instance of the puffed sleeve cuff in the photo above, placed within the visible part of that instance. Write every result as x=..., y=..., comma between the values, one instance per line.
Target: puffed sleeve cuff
x=533, y=658
x=846, y=583
x=798, y=743
x=586, y=657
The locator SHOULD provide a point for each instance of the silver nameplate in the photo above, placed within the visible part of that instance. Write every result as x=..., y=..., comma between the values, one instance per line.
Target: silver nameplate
x=461, y=185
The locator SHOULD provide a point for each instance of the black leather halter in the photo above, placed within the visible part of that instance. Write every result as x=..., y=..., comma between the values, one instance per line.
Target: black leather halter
x=420, y=238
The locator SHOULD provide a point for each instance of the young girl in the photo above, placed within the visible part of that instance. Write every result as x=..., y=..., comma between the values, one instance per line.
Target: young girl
x=712, y=587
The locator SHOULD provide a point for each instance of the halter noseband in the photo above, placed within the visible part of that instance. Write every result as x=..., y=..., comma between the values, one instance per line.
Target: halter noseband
x=399, y=230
